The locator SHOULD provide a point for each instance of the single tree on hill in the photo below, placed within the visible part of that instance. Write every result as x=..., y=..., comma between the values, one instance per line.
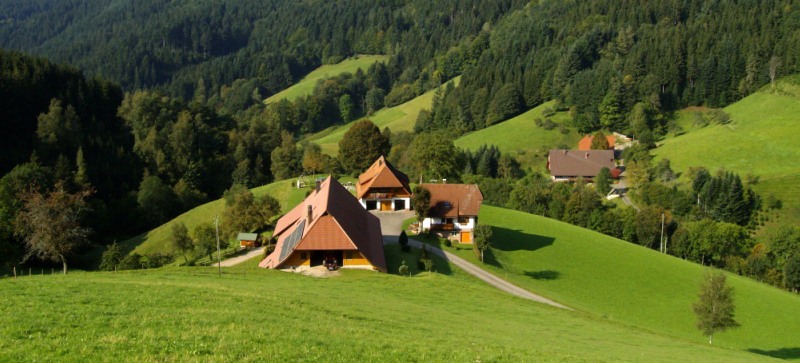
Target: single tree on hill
x=51, y=223
x=483, y=238
x=715, y=307
x=361, y=145
x=181, y=242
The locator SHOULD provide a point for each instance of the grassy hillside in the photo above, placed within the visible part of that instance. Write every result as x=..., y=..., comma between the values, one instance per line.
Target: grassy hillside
x=617, y=281
x=306, y=85
x=157, y=239
x=522, y=138
x=250, y=314
x=758, y=141
x=399, y=118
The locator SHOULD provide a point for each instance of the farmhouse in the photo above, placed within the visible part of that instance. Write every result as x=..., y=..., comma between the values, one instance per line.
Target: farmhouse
x=586, y=142
x=567, y=165
x=329, y=227
x=453, y=209
x=382, y=187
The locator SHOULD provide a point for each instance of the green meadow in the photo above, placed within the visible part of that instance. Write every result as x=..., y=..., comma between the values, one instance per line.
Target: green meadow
x=757, y=142
x=616, y=281
x=306, y=85
x=157, y=239
x=190, y=314
x=398, y=118
x=520, y=137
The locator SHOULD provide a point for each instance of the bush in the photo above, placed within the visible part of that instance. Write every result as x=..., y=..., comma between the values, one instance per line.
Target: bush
x=447, y=242
x=159, y=259
x=131, y=262
x=403, y=239
x=403, y=270
x=547, y=112
x=111, y=257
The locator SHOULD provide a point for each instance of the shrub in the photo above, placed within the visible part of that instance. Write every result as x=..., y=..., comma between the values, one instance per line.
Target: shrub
x=403, y=239
x=547, y=111
x=447, y=242
x=111, y=257
x=159, y=259
x=131, y=262
x=428, y=265
x=403, y=270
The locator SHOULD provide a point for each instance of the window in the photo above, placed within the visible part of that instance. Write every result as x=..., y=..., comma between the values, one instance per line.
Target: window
x=463, y=221
x=449, y=221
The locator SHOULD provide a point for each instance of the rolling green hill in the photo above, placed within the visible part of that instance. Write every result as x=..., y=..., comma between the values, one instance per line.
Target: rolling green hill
x=398, y=118
x=306, y=85
x=157, y=240
x=251, y=314
x=621, y=282
x=757, y=142
x=522, y=138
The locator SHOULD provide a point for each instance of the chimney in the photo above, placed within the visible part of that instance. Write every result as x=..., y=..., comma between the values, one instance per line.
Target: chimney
x=317, y=185
x=309, y=217
x=587, y=156
x=444, y=181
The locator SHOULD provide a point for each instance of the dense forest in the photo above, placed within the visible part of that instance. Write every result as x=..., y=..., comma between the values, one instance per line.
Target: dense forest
x=160, y=108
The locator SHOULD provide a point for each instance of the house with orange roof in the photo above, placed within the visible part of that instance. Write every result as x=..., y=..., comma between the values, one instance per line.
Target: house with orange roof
x=328, y=226
x=453, y=210
x=383, y=187
x=586, y=142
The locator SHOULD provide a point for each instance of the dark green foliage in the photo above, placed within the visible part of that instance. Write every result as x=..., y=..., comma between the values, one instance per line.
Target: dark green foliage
x=248, y=213
x=791, y=273
x=423, y=259
x=421, y=202
x=599, y=141
x=482, y=239
x=434, y=156
x=286, y=159
x=181, y=242
x=715, y=308
x=602, y=182
x=205, y=239
x=156, y=200
x=112, y=257
x=361, y=145
x=132, y=261
x=506, y=103
x=724, y=198
x=403, y=239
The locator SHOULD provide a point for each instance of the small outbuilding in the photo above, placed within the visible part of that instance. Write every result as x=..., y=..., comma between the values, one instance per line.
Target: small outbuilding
x=248, y=240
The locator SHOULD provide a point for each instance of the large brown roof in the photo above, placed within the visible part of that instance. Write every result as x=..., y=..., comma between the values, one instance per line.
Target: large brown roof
x=381, y=174
x=573, y=163
x=454, y=200
x=337, y=222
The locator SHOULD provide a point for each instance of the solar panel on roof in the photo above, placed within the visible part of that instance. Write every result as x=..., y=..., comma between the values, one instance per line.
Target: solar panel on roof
x=292, y=240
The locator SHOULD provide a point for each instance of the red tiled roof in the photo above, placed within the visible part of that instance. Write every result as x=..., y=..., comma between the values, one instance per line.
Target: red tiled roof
x=573, y=163
x=586, y=142
x=454, y=200
x=337, y=222
x=381, y=174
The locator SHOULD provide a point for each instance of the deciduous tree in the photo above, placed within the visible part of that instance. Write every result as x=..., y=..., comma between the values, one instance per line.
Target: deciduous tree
x=181, y=242
x=361, y=145
x=421, y=202
x=51, y=223
x=715, y=308
x=483, y=238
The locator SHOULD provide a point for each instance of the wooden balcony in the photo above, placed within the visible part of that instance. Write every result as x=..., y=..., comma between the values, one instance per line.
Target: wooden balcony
x=443, y=227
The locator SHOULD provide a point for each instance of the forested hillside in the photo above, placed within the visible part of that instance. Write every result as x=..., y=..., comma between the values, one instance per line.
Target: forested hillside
x=175, y=44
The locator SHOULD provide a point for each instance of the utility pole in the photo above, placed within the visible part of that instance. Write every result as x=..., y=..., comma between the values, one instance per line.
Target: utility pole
x=663, y=248
x=219, y=255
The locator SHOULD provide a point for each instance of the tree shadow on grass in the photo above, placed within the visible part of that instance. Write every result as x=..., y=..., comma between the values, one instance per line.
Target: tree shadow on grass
x=504, y=239
x=783, y=353
x=543, y=275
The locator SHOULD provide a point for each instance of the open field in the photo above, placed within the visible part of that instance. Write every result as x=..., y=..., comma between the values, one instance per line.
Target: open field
x=520, y=137
x=398, y=118
x=250, y=314
x=306, y=85
x=617, y=281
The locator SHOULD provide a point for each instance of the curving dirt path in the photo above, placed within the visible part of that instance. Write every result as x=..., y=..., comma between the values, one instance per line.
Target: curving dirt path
x=392, y=224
